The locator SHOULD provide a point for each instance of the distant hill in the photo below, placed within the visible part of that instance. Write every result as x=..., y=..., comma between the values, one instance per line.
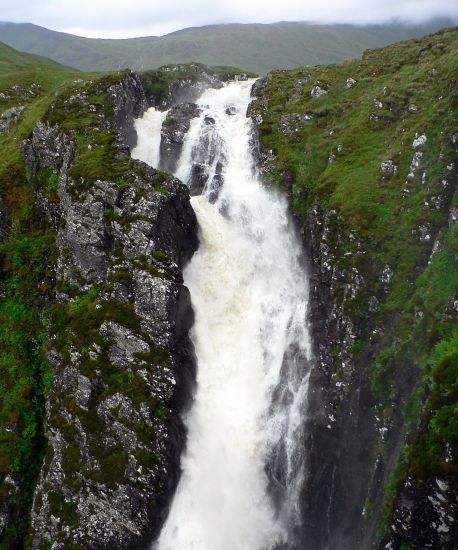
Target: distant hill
x=12, y=60
x=23, y=70
x=253, y=47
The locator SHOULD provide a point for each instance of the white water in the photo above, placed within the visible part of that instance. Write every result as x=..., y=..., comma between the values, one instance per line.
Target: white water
x=148, y=150
x=249, y=293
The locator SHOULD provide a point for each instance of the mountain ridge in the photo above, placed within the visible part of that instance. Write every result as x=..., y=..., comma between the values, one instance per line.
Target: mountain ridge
x=255, y=47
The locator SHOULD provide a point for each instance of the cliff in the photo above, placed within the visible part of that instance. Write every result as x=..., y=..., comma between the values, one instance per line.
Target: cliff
x=367, y=153
x=115, y=234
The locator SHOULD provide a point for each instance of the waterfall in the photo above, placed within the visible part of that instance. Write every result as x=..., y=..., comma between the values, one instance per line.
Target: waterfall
x=149, y=126
x=242, y=469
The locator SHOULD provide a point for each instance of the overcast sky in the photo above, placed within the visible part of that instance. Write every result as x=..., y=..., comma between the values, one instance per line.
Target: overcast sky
x=127, y=18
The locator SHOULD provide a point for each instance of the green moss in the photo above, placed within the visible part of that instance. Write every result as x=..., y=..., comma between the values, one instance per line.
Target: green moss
x=70, y=459
x=113, y=462
x=62, y=509
x=160, y=255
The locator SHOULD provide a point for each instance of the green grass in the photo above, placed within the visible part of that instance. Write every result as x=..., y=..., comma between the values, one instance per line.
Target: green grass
x=26, y=264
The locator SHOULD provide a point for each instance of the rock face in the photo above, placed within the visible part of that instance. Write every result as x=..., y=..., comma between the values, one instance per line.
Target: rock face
x=123, y=363
x=431, y=508
x=173, y=132
x=129, y=101
x=317, y=92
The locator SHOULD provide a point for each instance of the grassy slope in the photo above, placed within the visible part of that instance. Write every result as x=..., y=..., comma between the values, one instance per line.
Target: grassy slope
x=252, y=47
x=25, y=264
x=416, y=339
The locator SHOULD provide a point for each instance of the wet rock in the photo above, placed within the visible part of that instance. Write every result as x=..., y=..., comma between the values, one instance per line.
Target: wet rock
x=173, y=132
x=187, y=89
x=425, y=514
x=198, y=179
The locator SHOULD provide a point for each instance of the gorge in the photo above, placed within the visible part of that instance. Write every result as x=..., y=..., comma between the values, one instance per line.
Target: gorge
x=249, y=293
x=288, y=331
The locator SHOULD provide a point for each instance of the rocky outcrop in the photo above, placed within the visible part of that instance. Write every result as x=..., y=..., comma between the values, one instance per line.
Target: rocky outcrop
x=188, y=89
x=173, y=132
x=129, y=102
x=430, y=508
x=123, y=364
x=9, y=118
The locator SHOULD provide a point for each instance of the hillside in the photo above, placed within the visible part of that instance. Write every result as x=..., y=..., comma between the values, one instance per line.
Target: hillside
x=31, y=75
x=252, y=47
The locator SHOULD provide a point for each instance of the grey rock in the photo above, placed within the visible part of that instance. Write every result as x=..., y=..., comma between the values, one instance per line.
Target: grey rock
x=121, y=393
x=387, y=275
x=349, y=83
x=129, y=102
x=415, y=164
x=173, y=132
x=9, y=117
x=454, y=141
x=299, y=86
x=434, y=504
x=453, y=217
x=412, y=108
x=317, y=92
x=419, y=141
x=388, y=168
x=292, y=122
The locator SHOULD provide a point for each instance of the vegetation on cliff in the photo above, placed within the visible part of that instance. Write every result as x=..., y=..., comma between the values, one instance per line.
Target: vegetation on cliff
x=27, y=253
x=373, y=144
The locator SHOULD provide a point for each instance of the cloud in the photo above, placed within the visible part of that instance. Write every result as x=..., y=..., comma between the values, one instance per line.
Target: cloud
x=118, y=18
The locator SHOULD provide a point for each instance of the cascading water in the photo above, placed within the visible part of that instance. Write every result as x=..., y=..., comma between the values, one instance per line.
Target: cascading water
x=243, y=466
x=149, y=126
